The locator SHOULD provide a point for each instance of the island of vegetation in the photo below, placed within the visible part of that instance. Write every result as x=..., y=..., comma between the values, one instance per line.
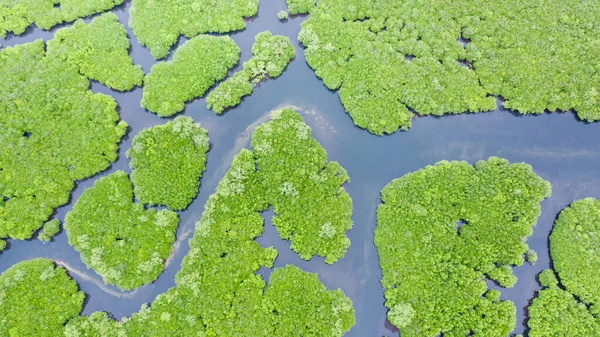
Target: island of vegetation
x=573, y=308
x=17, y=15
x=270, y=55
x=36, y=299
x=392, y=58
x=54, y=132
x=167, y=162
x=218, y=292
x=124, y=243
x=158, y=24
x=445, y=228
x=100, y=50
x=50, y=229
x=300, y=6
x=195, y=67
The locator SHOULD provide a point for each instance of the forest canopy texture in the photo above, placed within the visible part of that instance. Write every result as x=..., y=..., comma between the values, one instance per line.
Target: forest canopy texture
x=392, y=59
x=571, y=309
x=445, y=228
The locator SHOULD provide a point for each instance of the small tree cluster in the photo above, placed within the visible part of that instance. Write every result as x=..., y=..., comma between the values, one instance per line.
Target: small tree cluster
x=167, y=162
x=158, y=24
x=300, y=6
x=120, y=240
x=50, y=229
x=270, y=56
x=17, y=15
x=195, y=67
x=433, y=270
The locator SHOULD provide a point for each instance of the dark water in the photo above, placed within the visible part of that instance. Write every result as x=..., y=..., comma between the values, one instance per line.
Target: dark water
x=560, y=148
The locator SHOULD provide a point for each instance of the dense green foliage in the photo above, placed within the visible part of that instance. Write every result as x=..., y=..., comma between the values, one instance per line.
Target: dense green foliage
x=17, y=15
x=99, y=50
x=158, y=24
x=119, y=239
x=50, y=229
x=167, y=162
x=441, y=230
x=3, y=245
x=300, y=6
x=312, y=210
x=270, y=55
x=537, y=55
x=574, y=244
x=53, y=131
x=36, y=299
x=283, y=15
x=218, y=292
x=195, y=67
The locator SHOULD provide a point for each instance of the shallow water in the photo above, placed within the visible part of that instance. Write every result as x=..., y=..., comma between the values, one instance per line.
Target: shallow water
x=560, y=148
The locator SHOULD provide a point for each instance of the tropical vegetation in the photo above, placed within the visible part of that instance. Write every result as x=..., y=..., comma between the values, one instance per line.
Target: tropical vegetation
x=99, y=50
x=570, y=308
x=54, y=131
x=270, y=55
x=445, y=228
x=158, y=24
x=195, y=67
x=123, y=242
x=393, y=59
x=218, y=292
x=17, y=15
x=36, y=299
x=167, y=162
x=300, y=6
x=50, y=229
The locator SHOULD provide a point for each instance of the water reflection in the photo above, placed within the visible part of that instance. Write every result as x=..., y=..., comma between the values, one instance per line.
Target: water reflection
x=561, y=149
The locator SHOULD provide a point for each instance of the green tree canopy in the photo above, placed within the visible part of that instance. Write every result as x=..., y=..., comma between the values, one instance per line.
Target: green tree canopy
x=99, y=50
x=167, y=162
x=195, y=67
x=441, y=230
x=387, y=57
x=36, y=299
x=270, y=55
x=120, y=240
x=17, y=15
x=53, y=131
x=574, y=244
x=50, y=229
x=300, y=6
x=158, y=24
x=218, y=292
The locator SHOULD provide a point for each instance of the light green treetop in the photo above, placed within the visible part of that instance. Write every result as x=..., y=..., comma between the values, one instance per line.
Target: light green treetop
x=120, y=240
x=158, y=24
x=50, y=229
x=300, y=6
x=441, y=230
x=270, y=56
x=54, y=131
x=447, y=57
x=100, y=50
x=195, y=67
x=36, y=299
x=17, y=15
x=167, y=162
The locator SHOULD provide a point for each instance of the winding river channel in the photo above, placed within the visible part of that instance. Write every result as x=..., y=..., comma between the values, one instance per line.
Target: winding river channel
x=561, y=149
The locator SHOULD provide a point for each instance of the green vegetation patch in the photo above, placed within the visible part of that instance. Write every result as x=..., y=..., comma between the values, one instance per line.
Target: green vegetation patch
x=158, y=24
x=124, y=243
x=17, y=15
x=312, y=210
x=447, y=57
x=270, y=55
x=36, y=299
x=167, y=163
x=218, y=292
x=574, y=244
x=300, y=6
x=195, y=67
x=441, y=230
x=50, y=229
x=100, y=50
x=53, y=131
